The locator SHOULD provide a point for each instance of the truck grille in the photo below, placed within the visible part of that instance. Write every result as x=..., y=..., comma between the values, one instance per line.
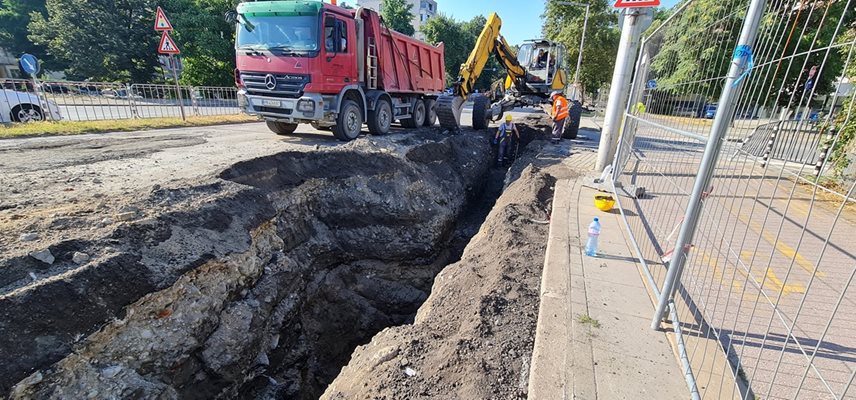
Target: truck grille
x=288, y=86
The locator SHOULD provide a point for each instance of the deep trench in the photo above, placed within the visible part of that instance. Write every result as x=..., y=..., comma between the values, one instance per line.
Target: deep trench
x=338, y=314
x=343, y=244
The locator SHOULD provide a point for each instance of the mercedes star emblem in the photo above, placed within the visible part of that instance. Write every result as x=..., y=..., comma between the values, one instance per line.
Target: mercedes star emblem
x=270, y=82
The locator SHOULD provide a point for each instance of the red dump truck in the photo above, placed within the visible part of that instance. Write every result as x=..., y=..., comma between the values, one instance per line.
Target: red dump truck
x=310, y=62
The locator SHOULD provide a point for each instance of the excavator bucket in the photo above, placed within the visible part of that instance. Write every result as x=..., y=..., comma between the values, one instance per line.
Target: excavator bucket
x=449, y=109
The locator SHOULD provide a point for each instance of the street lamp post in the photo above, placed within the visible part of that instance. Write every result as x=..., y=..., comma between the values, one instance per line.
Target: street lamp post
x=582, y=42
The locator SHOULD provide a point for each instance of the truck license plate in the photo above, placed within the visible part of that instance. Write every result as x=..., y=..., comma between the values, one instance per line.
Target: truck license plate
x=271, y=103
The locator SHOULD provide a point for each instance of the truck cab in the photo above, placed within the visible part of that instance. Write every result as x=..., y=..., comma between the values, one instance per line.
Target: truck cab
x=302, y=61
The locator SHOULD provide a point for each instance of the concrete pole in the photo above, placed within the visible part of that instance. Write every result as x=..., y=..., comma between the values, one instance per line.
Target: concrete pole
x=727, y=103
x=619, y=88
x=580, y=57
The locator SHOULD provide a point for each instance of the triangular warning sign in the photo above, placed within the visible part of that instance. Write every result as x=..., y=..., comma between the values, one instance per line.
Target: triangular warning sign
x=161, y=22
x=167, y=45
x=636, y=3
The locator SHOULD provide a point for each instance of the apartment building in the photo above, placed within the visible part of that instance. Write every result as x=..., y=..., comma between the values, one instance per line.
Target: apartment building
x=422, y=10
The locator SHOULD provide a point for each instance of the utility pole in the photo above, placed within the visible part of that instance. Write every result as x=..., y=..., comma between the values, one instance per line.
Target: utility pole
x=618, y=90
x=582, y=42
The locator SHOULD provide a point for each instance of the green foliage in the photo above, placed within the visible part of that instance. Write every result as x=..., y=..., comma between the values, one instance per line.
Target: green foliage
x=106, y=40
x=99, y=39
x=564, y=24
x=14, y=18
x=698, y=46
x=459, y=38
x=205, y=39
x=845, y=148
x=398, y=16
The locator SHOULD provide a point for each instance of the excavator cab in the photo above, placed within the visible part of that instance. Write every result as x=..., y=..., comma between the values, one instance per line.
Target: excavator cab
x=545, y=63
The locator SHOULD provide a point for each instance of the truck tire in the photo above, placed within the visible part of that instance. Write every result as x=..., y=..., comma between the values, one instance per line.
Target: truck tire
x=572, y=127
x=430, y=112
x=417, y=116
x=281, y=128
x=349, y=122
x=380, y=119
x=481, y=112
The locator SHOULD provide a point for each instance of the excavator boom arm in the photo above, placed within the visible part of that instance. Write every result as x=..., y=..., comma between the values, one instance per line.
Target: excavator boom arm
x=489, y=42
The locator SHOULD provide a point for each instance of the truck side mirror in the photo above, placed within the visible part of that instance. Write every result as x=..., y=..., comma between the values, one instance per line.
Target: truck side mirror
x=231, y=17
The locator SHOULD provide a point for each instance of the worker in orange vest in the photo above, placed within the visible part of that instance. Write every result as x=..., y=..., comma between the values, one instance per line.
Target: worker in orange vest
x=559, y=114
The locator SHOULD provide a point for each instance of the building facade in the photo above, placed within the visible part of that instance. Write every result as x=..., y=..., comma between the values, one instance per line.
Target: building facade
x=422, y=11
x=8, y=65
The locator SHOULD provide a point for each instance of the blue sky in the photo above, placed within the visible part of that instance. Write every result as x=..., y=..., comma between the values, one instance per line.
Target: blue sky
x=521, y=19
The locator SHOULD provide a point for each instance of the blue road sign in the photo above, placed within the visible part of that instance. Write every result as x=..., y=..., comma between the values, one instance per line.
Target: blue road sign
x=652, y=84
x=29, y=64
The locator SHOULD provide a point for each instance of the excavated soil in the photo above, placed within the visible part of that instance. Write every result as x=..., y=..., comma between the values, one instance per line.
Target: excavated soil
x=260, y=283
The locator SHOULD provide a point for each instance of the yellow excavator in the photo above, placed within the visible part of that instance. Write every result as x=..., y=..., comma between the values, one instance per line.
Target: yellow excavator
x=534, y=72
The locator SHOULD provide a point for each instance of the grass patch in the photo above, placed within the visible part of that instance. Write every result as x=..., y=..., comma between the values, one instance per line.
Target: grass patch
x=586, y=319
x=124, y=125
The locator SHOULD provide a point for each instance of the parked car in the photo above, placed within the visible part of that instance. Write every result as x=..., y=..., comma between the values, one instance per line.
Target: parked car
x=55, y=88
x=16, y=106
x=710, y=111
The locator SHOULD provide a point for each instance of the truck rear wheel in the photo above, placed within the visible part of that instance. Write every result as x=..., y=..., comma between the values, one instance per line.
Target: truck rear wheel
x=430, y=112
x=281, y=128
x=481, y=112
x=417, y=116
x=380, y=119
x=349, y=122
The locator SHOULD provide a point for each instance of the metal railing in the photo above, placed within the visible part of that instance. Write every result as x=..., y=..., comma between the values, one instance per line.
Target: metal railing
x=752, y=262
x=22, y=100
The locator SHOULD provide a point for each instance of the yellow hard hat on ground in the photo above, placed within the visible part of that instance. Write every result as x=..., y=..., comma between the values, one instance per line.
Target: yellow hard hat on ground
x=508, y=117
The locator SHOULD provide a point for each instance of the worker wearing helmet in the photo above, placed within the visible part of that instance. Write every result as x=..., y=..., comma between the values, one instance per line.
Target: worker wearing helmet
x=503, y=138
x=559, y=113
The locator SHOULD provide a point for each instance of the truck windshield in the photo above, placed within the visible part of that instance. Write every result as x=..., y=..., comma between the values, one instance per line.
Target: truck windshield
x=294, y=33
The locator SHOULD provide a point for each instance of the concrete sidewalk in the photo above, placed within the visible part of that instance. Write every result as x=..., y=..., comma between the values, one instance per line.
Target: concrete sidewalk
x=593, y=339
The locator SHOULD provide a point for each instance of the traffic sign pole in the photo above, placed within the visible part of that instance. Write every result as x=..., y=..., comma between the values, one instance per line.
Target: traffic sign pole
x=174, y=66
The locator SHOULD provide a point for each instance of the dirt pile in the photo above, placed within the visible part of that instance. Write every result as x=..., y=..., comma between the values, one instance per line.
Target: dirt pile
x=255, y=285
x=473, y=337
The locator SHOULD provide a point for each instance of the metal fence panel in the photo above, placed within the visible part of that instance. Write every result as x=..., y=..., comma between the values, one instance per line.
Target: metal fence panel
x=97, y=101
x=765, y=300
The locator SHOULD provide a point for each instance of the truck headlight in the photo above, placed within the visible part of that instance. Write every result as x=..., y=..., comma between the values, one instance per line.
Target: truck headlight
x=306, y=106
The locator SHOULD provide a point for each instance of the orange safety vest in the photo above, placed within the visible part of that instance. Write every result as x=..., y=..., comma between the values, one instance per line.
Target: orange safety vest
x=560, y=108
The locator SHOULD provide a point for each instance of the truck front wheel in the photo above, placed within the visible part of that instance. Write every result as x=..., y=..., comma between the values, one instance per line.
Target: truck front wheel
x=281, y=128
x=417, y=118
x=380, y=119
x=349, y=122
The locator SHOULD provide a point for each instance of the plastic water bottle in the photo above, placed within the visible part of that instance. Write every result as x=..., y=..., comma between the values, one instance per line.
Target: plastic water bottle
x=593, y=234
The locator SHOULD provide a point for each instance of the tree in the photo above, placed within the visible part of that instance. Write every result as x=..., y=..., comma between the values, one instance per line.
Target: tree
x=398, y=16
x=205, y=39
x=459, y=38
x=564, y=24
x=690, y=51
x=14, y=18
x=99, y=39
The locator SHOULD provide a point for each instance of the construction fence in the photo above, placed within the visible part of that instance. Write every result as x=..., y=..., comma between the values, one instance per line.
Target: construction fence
x=735, y=111
x=24, y=101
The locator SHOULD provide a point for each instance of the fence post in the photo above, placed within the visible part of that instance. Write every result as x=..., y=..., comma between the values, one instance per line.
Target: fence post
x=724, y=114
x=824, y=153
x=768, y=151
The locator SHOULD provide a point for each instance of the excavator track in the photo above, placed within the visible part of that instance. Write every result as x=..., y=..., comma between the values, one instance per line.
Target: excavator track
x=449, y=109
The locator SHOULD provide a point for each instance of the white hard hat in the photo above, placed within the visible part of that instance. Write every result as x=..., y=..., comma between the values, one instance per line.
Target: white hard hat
x=555, y=93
